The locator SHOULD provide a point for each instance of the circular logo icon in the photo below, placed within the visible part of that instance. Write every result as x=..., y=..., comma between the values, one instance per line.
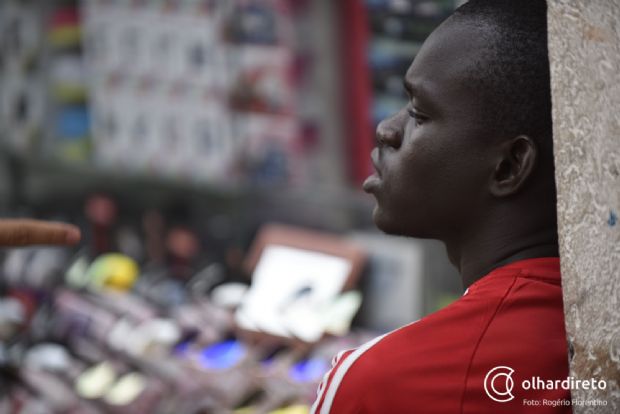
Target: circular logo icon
x=498, y=384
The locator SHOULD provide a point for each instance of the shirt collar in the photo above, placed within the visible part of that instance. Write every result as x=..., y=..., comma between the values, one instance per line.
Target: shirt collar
x=544, y=268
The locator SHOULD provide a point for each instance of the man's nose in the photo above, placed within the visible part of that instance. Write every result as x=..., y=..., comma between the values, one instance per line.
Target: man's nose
x=390, y=132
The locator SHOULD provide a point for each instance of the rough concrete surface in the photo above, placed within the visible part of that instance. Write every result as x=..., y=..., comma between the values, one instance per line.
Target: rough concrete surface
x=584, y=52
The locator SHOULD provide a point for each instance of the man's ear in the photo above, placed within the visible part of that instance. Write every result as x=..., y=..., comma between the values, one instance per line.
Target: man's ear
x=515, y=164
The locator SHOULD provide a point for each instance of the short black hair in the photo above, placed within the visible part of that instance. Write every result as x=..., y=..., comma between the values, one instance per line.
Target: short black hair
x=513, y=75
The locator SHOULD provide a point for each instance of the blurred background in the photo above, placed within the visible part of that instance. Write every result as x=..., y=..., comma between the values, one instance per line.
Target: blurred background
x=212, y=152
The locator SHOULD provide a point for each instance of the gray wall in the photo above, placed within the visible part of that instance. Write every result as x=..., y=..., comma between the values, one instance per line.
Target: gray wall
x=584, y=48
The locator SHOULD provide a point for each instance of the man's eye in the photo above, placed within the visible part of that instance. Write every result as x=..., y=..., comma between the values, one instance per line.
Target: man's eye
x=418, y=118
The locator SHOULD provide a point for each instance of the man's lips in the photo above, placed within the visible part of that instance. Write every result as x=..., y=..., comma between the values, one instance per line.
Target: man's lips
x=373, y=182
x=374, y=157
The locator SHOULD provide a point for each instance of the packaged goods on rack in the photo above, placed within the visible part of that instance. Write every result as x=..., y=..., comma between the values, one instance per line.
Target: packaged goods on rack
x=102, y=332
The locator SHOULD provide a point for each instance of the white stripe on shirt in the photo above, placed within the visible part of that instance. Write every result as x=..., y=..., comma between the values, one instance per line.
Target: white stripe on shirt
x=323, y=384
x=330, y=393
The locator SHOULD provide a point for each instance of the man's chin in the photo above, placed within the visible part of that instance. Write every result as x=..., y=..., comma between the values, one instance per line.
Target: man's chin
x=393, y=226
x=386, y=223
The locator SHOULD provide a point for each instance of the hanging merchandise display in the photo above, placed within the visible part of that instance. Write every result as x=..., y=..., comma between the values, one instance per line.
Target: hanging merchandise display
x=200, y=92
x=69, y=138
x=22, y=87
x=188, y=96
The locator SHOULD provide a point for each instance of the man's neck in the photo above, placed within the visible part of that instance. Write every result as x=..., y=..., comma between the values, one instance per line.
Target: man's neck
x=477, y=257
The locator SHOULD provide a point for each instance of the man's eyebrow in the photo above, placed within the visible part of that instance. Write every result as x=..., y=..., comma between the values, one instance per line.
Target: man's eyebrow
x=417, y=91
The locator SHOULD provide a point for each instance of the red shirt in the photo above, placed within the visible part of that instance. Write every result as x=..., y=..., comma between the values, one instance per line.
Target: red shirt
x=511, y=318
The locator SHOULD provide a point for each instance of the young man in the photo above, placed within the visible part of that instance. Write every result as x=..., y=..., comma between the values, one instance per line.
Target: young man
x=469, y=161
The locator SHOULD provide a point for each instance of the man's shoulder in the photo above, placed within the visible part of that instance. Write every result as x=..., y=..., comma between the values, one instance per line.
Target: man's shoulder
x=497, y=310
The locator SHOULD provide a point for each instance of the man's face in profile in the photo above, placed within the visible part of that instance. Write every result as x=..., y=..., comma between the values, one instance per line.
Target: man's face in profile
x=431, y=159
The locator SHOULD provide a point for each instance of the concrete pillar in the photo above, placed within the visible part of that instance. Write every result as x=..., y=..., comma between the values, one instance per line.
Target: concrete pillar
x=584, y=52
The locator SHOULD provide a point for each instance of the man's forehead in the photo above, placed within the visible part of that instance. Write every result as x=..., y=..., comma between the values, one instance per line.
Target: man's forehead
x=452, y=50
